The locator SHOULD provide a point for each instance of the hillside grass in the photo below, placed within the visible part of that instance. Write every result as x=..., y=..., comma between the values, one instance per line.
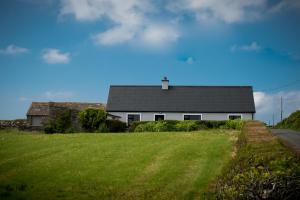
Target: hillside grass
x=291, y=122
x=112, y=166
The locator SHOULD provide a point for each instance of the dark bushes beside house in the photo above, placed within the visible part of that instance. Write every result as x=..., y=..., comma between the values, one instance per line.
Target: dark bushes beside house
x=115, y=126
x=61, y=123
x=92, y=119
x=95, y=120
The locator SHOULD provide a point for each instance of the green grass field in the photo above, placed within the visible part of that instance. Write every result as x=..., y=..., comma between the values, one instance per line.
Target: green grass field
x=111, y=166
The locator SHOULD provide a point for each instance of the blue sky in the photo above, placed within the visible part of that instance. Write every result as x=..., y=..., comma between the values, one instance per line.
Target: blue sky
x=72, y=50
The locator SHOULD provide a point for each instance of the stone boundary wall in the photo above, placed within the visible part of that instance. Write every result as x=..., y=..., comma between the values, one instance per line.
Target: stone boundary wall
x=18, y=123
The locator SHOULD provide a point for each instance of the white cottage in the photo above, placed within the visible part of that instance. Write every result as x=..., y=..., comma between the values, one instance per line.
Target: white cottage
x=165, y=102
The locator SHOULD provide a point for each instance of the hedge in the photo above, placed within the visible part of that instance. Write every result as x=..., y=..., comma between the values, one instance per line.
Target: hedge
x=263, y=170
x=188, y=125
x=115, y=126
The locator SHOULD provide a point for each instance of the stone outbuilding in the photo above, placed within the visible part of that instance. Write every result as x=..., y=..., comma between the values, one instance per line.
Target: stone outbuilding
x=40, y=112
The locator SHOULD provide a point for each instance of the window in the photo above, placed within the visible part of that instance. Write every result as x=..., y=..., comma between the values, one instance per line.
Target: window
x=158, y=117
x=133, y=118
x=36, y=121
x=192, y=117
x=233, y=117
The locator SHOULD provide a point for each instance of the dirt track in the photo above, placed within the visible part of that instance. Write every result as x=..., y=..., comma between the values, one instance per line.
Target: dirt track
x=257, y=132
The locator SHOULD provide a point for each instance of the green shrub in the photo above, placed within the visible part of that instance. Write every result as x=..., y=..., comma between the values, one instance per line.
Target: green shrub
x=115, y=126
x=157, y=126
x=233, y=124
x=133, y=125
x=176, y=125
x=213, y=124
x=49, y=128
x=61, y=123
x=163, y=126
x=92, y=118
x=102, y=128
x=190, y=125
x=145, y=127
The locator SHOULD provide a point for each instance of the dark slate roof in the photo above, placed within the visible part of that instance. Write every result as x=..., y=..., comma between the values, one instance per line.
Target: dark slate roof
x=209, y=99
x=43, y=108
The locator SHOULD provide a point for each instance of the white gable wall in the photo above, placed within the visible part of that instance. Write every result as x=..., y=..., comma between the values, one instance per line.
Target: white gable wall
x=149, y=116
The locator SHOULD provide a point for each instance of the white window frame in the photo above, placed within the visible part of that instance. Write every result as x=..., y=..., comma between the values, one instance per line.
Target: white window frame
x=192, y=114
x=164, y=114
x=235, y=114
x=140, y=114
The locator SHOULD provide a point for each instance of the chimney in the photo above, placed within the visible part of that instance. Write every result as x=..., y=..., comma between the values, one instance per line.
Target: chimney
x=165, y=83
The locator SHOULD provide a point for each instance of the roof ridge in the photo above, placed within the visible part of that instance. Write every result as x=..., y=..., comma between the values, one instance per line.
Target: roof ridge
x=47, y=102
x=238, y=86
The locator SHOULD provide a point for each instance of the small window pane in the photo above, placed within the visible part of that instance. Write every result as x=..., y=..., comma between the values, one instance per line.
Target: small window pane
x=233, y=117
x=192, y=117
x=133, y=118
x=159, y=117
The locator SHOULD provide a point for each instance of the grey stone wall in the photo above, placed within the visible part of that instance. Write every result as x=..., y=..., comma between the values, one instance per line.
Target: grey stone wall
x=18, y=123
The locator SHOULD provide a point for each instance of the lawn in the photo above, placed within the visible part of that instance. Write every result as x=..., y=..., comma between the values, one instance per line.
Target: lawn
x=111, y=166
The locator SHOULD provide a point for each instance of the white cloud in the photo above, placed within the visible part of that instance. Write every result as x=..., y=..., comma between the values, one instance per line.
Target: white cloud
x=13, y=50
x=54, y=56
x=249, y=47
x=269, y=104
x=228, y=11
x=158, y=35
x=116, y=35
x=58, y=95
x=129, y=19
x=121, y=12
x=146, y=21
x=190, y=60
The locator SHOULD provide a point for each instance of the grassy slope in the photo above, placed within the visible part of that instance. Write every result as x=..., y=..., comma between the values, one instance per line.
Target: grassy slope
x=291, y=122
x=118, y=166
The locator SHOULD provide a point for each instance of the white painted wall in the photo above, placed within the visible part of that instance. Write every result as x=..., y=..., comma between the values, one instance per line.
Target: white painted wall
x=149, y=116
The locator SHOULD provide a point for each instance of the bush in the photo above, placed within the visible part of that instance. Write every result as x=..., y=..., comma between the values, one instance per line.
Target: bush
x=115, y=126
x=233, y=124
x=145, y=127
x=133, y=125
x=102, y=128
x=49, y=128
x=92, y=118
x=190, y=125
x=174, y=125
x=61, y=123
x=163, y=126
x=213, y=124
